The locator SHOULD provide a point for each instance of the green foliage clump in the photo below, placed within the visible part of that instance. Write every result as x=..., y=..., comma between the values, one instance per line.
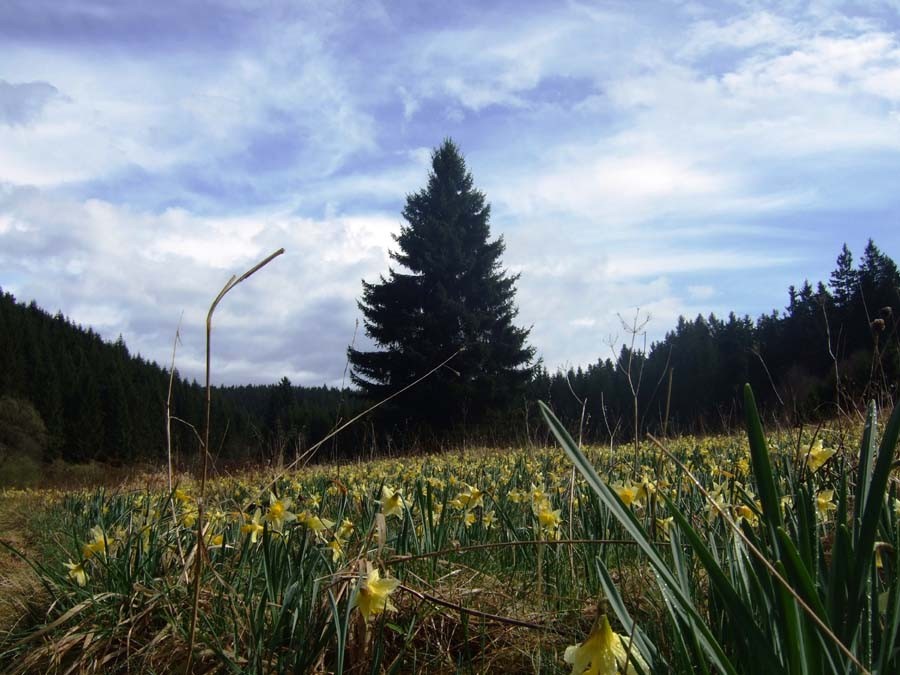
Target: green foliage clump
x=23, y=440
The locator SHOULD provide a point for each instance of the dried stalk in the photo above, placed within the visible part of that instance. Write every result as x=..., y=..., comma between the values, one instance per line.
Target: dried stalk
x=200, y=552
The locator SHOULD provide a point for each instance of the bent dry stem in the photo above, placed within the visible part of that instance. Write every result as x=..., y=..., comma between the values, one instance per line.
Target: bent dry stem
x=199, y=551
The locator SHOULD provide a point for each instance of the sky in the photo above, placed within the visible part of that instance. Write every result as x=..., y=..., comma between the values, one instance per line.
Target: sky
x=681, y=158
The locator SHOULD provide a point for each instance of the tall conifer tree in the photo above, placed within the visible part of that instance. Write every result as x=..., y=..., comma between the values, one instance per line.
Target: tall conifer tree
x=452, y=295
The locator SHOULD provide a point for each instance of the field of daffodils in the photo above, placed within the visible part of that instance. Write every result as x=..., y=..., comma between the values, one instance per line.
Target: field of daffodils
x=726, y=554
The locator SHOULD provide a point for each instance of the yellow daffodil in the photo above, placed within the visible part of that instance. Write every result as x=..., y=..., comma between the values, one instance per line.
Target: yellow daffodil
x=99, y=543
x=345, y=530
x=472, y=496
x=825, y=502
x=279, y=512
x=604, y=653
x=254, y=528
x=549, y=518
x=879, y=546
x=337, y=550
x=645, y=490
x=818, y=455
x=315, y=524
x=664, y=525
x=627, y=493
x=77, y=573
x=391, y=502
x=373, y=596
x=744, y=512
x=189, y=517
x=787, y=502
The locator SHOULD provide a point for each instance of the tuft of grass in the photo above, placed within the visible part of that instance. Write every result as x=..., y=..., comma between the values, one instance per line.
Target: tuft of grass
x=769, y=597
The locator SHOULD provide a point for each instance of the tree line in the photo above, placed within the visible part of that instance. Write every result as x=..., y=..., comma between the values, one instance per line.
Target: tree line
x=85, y=399
x=834, y=345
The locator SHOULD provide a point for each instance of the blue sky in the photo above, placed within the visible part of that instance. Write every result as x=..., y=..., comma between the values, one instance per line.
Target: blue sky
x=680, y=157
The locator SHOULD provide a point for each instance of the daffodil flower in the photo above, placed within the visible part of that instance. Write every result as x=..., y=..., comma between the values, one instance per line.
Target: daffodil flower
x=98, y=543
x=345, y=530
x=254, y=528
x=77, y=573
x=548, y=518
x=391, y=502
x=279, y=512
x=664, y=525
x=337, y=550
x=882, y=547
x=315, y=524
x=604, y=653
x=373, y=596
x=825, y=502
x=818, y=455
x=629, y=494
x=787, y=502
x=189, y=517
x=469, y=498
x=646, y=489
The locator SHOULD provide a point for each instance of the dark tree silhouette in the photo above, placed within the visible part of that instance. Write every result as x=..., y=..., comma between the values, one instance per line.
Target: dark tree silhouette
x=452, y=295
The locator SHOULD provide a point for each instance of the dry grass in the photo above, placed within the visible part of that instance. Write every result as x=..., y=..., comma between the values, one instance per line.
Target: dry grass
x=22, y=596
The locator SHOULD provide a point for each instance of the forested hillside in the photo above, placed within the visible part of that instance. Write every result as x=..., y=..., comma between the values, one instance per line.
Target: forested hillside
x=97, y=401
x=835, y=343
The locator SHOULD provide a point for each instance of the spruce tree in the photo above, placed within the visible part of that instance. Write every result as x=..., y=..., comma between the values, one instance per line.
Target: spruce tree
x=844, y=282
x=452, y=295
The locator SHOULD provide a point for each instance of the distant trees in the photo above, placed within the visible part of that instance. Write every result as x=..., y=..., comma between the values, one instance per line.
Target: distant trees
x=452, y=294
x=67, y=393
x=833, y=345
x=96, y=401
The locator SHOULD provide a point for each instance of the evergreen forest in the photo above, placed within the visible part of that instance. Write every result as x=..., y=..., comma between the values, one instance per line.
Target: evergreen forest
x=835, y=343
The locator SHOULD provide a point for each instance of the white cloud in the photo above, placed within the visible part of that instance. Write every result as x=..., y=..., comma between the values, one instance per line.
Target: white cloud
x=632, y=159
x=760, y=28
x=168, y=110
x=701, y=292
x=133, y=273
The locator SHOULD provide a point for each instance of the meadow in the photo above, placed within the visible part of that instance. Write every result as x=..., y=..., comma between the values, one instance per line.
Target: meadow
x=722, y=554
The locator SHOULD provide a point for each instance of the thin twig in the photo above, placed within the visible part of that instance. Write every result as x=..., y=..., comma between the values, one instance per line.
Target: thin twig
x=474, y=612
x=200, y=550
x=306, y=456
x=758, y=355
x=169, y=418
x=511, y=544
